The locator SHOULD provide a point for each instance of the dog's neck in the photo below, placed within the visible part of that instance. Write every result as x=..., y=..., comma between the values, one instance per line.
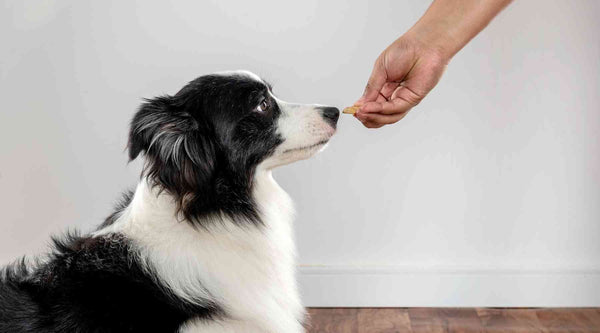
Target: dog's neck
x=152, y=206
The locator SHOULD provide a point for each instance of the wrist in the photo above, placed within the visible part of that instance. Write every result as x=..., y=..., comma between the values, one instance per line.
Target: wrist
x=448, y=25
x=436, y=41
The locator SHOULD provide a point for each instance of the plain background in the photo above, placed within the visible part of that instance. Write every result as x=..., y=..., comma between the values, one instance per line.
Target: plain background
x=487, y=193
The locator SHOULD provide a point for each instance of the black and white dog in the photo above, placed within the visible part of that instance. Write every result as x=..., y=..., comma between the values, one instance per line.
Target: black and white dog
x=204, y=243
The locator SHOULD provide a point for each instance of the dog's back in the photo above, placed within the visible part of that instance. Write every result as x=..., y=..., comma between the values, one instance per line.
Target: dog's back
x=90, y=285
x=16, y=306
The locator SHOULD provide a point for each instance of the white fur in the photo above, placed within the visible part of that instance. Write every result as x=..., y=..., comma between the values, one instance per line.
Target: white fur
x=243, y=72
x=304, y=130
x=246, y=269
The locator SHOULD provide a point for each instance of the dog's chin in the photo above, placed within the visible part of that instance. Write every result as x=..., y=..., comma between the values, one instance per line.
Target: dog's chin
x=294, y=154
x=315, y=147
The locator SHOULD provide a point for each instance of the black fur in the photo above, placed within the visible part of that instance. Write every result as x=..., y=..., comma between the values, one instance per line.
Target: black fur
x=92, y=285
x=203, y=144
x=119, y=208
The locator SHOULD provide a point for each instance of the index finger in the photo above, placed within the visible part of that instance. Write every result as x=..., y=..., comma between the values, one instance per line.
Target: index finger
x=376, y=81
x=402, y=100
x=393, y=106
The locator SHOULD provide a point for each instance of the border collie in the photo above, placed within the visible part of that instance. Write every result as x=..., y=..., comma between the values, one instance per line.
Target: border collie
x=204, y=243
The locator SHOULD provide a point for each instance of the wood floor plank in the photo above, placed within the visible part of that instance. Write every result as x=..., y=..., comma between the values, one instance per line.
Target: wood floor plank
x=566, y=321
x=510, y=321
x=426, y=320
x=461, y=320
x=454, y=320
x=587, y=317
x=383, y=320
x=332, y=320
x=593, y=315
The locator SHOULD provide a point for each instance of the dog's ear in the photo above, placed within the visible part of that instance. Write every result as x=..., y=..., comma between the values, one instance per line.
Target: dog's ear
x=178, y=150
x=157, y=119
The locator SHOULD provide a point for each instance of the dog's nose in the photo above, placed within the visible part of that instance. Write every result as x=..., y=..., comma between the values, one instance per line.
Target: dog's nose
x=330, y=114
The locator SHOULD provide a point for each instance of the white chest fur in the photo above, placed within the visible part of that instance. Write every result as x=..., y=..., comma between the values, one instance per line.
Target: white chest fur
x=247, y=269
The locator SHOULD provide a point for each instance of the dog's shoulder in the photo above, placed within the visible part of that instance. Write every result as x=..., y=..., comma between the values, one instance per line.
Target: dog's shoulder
x=120, y=206
x=90, y=283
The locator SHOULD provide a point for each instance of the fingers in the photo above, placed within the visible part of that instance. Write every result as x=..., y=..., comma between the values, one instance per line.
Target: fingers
x=371, y=107
x=388, y=89
x=377, y=120
x=371, y=125
x=383, y=111
x=385, y=107
x=379, y=100
x=401, y=100
x=407, y=95
x=375, y=83
x=402, y=76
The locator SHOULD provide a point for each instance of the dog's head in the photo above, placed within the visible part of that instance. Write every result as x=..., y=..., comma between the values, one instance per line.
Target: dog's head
x=205, y=143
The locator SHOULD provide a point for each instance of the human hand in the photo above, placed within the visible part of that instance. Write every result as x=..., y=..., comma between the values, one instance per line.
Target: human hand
x=402, y=76
x=411, y=66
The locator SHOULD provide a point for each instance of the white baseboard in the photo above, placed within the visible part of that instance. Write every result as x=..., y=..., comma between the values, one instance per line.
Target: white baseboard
x=394, y=286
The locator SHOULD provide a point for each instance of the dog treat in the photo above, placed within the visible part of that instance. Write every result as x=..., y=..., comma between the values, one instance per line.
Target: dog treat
x=350, y=110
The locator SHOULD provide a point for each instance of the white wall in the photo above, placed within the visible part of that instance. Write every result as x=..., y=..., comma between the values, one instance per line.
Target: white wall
x=488, y=193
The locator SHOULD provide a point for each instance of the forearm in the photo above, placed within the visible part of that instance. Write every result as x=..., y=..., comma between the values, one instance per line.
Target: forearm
x=448, y=25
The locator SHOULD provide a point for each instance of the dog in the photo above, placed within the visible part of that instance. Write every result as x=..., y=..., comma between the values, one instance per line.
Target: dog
x=204, y=243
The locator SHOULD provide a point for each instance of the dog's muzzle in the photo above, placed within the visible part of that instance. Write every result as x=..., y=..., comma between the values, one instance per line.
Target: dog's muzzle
x=330, y=114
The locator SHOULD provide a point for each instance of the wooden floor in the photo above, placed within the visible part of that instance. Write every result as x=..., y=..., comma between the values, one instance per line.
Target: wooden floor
x=453, y=320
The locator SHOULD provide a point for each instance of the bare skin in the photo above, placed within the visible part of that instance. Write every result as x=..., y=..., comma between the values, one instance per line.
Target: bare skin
x=408, y=69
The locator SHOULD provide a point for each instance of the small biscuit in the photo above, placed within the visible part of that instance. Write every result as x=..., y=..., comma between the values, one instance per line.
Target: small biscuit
x=350, y=109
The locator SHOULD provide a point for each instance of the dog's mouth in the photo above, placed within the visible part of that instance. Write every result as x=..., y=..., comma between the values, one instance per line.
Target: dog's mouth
x=315, y=145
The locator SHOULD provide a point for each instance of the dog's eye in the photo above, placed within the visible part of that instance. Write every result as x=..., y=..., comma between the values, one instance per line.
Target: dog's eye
x=263, y=106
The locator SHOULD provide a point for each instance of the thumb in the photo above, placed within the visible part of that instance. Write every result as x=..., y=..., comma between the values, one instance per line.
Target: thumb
x=374, y=85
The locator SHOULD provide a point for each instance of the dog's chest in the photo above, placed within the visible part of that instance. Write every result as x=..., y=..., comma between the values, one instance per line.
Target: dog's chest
x=253, y=269
x=247, y=269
